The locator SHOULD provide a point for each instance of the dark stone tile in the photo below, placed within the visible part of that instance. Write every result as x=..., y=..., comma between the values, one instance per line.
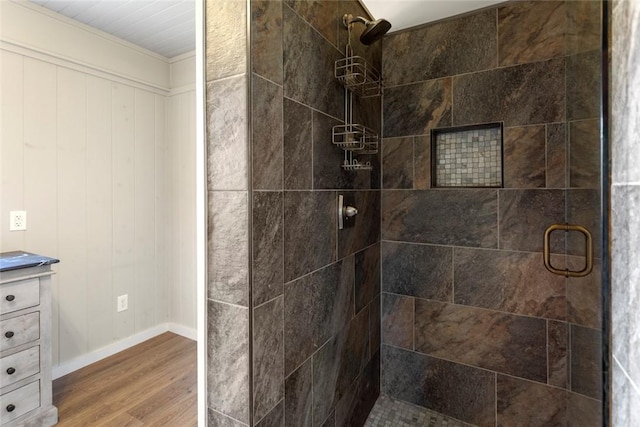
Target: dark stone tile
x=531, y=31
x=459, y=391
x=515, y=282
x=216, y=419
x=397, y=163
x=227, y=140
x=268, y=357
x=519, y=95
x=454, y=46
x=226, y=41
x=422, y=162
x=583, y=411
x=367, y=286
x=556, y=155
x=268, y=250
x=415, y=108
x=267, y=135
x=338, y=363
x=487, y=339
x=366, y=229
x=298, y=398
x=397, y=320
x=584, y=23
x=524, y=157
x=228, y=247
x=308, y=66
x=228, y=360
x=374, y=325
x=327, y=157
x=316, y=307
x=584, y=154
x=310, y=234
x=584, y=305
x=298, y=145
x=417, y=270
x=526, y=214
x=558, y=348
x=586, y=361
x=323, y=16
x=584, y=81
x=456, y=217
x=355, y=406
x=529, y=404
x=330, y=421
x=583, y=207
x=266, y=39
x=368, y=111
x=275, y=418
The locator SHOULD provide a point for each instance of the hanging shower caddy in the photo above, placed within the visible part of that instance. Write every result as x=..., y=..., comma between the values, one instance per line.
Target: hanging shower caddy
x=359, y=79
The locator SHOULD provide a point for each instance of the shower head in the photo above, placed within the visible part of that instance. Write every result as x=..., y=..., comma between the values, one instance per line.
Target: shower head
x=374, y=30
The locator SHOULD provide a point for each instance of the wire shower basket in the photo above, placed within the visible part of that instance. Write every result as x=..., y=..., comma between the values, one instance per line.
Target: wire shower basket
x=358, y=76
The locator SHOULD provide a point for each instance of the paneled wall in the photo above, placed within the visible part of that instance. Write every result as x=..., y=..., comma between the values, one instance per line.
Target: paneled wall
x=181, y=161
x=473, y=325
x=625, y=200
x=84, y=156
x=86, y=152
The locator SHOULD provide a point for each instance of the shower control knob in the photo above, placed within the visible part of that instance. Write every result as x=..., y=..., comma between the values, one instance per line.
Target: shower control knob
x=350, y=211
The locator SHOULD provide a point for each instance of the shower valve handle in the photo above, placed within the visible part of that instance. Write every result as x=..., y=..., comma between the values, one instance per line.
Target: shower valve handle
x=350, y=211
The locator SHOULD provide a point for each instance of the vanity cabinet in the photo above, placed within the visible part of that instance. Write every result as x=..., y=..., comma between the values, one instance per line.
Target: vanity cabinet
x=25, y=340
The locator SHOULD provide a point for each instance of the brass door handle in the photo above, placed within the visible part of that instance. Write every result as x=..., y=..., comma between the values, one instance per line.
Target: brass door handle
x=588, y=250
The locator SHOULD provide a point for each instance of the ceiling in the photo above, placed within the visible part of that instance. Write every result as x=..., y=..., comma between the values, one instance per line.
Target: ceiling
x=408, y=13
x=167, y=27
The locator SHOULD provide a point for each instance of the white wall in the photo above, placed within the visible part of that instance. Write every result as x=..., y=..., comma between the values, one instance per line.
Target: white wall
x=90, y=154
x=181, y=123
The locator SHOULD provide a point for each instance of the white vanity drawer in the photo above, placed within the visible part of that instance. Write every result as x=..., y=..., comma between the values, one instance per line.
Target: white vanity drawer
x=20, y=401
x=19, y=366
x=19, y=330
x=18, y=295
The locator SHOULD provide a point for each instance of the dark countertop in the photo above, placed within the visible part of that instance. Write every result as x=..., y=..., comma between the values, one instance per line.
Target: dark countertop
x=16, y=260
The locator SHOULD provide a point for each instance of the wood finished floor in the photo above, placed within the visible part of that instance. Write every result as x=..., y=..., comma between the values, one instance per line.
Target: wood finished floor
x=151, y=384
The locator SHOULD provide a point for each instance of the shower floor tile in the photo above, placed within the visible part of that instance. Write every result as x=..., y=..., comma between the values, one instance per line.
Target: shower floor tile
x=388, y=412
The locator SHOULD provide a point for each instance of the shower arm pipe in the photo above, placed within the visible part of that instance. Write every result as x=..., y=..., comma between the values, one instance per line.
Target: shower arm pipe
x=349, y=19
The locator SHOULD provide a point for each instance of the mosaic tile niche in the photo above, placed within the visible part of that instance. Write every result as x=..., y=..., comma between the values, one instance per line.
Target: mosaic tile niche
x=468, y=156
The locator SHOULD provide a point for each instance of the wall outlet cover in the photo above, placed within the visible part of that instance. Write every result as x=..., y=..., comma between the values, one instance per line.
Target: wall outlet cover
x=123, y=302
x=17, y=220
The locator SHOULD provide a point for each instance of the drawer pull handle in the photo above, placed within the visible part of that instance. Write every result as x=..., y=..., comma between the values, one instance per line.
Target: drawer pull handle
x=10, y=298
x=9, y=334
x=10, y=407
x=11, y=371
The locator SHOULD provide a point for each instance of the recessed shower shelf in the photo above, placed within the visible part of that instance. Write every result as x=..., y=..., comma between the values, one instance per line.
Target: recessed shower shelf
x=355, y=137
x=358, y=76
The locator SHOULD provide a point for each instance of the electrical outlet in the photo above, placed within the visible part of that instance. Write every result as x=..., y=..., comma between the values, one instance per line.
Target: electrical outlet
x=123, y=302
x=17, y=220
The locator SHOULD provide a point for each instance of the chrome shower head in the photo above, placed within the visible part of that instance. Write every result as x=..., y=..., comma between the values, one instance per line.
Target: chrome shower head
x=374, y=30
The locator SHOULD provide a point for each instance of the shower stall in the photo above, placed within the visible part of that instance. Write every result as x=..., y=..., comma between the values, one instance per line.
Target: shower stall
x=467, y=277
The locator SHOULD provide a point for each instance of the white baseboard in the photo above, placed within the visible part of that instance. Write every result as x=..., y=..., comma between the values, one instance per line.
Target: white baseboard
x=118, y=346
x=184, y=331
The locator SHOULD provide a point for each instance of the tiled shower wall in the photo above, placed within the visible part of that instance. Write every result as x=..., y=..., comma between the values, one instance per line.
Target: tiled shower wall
x=315, y=290
x=473, y=325
x=228, y=305
x=625, y=203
